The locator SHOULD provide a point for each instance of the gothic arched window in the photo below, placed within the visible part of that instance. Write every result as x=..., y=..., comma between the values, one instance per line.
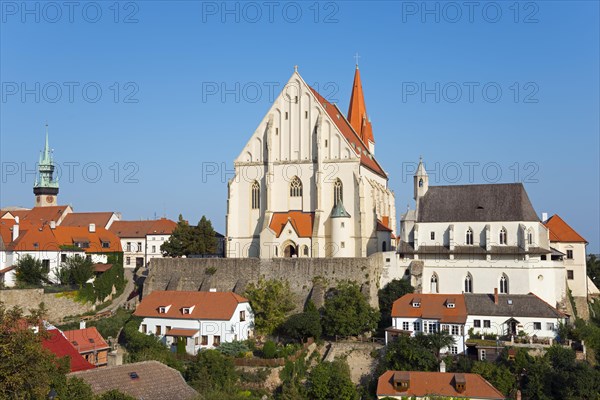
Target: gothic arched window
x=338, y=192
x=469, y=237
x=434, y=283
x=504, y=284
x=296, y=187
x=469, y=284
x=305, y=251
x=255, y=195
x=503, y=236
x=530, y=237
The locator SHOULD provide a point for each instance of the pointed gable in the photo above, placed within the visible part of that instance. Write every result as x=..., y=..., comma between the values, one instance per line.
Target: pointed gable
x=560, y=231
x=357, y=111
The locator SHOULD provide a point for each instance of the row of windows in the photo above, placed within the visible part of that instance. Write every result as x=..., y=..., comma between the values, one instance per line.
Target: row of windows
x=468, y=284
x=458, y=330
x=202, y=340
x=550, y=326
x=296, y=190
x=502, y=238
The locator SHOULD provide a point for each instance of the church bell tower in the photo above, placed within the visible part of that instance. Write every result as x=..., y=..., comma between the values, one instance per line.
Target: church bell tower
x=45, y=187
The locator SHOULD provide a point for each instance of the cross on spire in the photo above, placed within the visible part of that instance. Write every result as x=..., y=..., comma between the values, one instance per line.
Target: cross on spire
x=356, y=57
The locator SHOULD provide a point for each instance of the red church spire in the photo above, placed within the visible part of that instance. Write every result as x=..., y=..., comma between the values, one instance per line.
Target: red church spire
x=357, y=113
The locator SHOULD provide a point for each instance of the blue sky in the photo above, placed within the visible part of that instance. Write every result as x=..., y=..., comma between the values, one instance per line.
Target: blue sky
x=502, y=92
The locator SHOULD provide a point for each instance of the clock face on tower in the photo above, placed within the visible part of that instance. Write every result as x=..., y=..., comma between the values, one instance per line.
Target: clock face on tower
x=49, y=199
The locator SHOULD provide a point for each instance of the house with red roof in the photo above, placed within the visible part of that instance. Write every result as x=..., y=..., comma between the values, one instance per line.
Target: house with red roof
x=307, y=182
x=90, y=344
x=57, y=343
x=141, y=240
x=435, y=385
x=570, y=246
x=200, y=320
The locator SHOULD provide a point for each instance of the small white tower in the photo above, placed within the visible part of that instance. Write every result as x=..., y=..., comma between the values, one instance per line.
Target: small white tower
x=340, y=232
x=421, y=180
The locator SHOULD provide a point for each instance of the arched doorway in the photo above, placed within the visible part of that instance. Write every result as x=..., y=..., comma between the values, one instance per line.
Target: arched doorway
x=290, y=250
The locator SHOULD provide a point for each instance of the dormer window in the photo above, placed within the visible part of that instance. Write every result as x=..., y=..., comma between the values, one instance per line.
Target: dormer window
x=105, y=244
x=164, y=309
x=187, y=310
x=450, y=303
x=416, y=303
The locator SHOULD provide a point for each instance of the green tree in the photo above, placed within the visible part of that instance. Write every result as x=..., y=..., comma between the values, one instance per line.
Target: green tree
x=76, y=389
x=31, y=271
x=27, y=370
x=593, y=268
x=498, y=375
x=234, y=348
x=304, y=325
x=80, y=269
x=387, y=295
x=271, y=300
x=436, y=342
x=406, y=353
x=331, y=380
x=115, y=395
x=187, y=240
x=212, y=371
x=347, y=313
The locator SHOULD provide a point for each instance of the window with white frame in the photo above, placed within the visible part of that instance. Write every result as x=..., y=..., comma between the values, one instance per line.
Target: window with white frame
x=537, y=326
x=504, y=284
x=417, y=326
x=487, y=323
x=454, y=350
x=549, y=326
x=405, y=326
x=455, y=330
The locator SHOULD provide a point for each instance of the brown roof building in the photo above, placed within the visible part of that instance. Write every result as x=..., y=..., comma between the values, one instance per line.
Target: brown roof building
x=148, y=380
x=90, y=344
x=432, y=385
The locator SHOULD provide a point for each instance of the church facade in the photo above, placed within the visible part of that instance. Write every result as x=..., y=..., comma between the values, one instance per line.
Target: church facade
x=307, y=183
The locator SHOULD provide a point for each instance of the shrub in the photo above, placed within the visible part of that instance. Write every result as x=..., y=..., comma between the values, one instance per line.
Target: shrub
x=302, y=326
x=269, y=349
x=31, y=271
x=233, y=349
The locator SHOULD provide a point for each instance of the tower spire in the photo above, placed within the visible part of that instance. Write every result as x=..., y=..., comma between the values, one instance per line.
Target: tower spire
x=357, y=112
x=45, y=187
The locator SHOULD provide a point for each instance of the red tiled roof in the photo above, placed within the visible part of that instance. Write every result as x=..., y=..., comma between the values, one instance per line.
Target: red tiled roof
x=61, y=347
x=207, y=305
x=422, y=384
x=87, y=218
x=85, y=340
x=366, y=158
x=433, y=306
x=560, y=231
x=99, y=267
x=41, y=215
x=139, y=229
x=384, y=225
x=51, y=239
x=302, y=222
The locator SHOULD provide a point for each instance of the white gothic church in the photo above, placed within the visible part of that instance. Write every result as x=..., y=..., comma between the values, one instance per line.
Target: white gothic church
x=307, y=183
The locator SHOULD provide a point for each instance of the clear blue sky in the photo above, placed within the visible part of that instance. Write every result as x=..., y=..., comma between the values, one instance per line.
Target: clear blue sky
x=172, y=56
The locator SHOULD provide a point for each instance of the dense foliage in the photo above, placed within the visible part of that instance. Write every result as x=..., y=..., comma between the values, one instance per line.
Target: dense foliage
x=303, y=325
x=188, y=240
x=271, y=300
x=331, y=380
x=387, y=295
x=31, y=271
x=76, y=270
x=593, y=269
x=347, y=313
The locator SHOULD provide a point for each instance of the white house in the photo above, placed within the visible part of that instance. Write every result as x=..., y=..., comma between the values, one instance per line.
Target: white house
x=141, y=240
x=201, y=319
x=474, y=238
x=307, y=183
x=462, y=315
x=52, y=245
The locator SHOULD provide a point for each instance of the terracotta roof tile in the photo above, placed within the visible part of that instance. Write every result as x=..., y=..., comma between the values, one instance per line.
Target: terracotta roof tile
x=152, y=381
x=422, y=384
x=357, y=111
x=366, y=158
x=560, y=231
x=206, y=305
x=383, y=226
x=302, y=222
x=139, y=229
x=87, y=218
x=44, y=238
x=85, y=340
x=61, y=347
x=432, y=306
x=182, y=332
x=41, y=215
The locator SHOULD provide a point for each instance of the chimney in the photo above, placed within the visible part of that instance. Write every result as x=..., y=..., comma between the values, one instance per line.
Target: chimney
x=15, y=229
x=544, y=216
x=92, y=228
x=82, y=324
x=495, y=295
x=442, y=366
x=52, y=224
